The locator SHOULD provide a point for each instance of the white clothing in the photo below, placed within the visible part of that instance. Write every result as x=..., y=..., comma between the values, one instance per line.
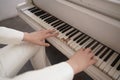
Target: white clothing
x=17, y=53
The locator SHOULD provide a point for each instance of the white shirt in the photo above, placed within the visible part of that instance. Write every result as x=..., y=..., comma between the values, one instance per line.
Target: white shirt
x=61, y=71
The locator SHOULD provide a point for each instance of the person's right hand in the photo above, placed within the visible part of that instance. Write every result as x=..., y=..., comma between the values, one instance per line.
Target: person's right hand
x=82, y=59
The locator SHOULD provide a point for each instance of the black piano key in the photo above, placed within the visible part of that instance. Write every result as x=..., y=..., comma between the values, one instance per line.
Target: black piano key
x=93, y=47
x=70, y=32
x=84, y=41
x=90, y=44
x=62, y=26
x=39, y=13
x=55, y=22
x=76, y=38
x=45, y=16
x=49, y=19
x=109, y=55
x=103, y=54
x=99, y=50
x=73, y=34
x=34, y=10
x=65, y=27
x=60, y=22
x=118, y=68
x=69, y=27
x=115, y=61
x=52, y=20
x=82, y=37
x=31, y=8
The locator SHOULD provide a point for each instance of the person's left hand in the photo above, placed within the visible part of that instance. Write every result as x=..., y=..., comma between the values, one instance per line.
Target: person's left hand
x=38, y=37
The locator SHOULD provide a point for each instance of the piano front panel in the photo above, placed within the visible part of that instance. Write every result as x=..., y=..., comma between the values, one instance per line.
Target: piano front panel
x=105, y=7
x=100, y=27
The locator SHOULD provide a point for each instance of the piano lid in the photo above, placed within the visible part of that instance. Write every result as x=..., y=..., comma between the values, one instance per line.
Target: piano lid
x=99, y=26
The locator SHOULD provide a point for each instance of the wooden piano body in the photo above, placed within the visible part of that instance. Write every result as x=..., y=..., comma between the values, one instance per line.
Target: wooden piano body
x=100, y=19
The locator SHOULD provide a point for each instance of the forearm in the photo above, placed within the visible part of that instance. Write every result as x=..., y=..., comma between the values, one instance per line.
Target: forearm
x=10, y=36
x=61, y=71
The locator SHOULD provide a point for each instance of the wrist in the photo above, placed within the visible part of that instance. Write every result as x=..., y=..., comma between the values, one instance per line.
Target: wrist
x=74, y=66
x=26, y=36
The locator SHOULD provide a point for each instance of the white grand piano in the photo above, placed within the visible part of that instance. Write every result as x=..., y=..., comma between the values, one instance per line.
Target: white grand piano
x=81, y=23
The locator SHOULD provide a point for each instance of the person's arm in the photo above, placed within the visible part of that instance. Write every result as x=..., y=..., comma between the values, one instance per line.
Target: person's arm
x=12, y=36
x=61, y=71
x=81, y=60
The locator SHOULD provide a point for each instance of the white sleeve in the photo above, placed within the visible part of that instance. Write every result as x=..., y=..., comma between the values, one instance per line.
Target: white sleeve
x=10, y=36
x=61, y=71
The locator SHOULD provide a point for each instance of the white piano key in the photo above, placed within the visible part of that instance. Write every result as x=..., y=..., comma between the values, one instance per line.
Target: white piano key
x=87, y=43
x=99, y=60
x=42, y=15
x=119, y=78
x=114, y=70
x=82, y=46
x=79, y=47
x=69, y=30
x=46, y=18
x=65, y=37
x=96, y=48
x=59, y=26
x=104, y=64
x=27, y=7
x=54, y=22
x=116, y=75
x=62, y=35
x=37, y=19
x=75, y=44
x=93, y=44
x=71, y=40
x=83, y=39
x=37, y=11
x=76, y=35
x=100, y=46
x=108, y=66
x=94, y=71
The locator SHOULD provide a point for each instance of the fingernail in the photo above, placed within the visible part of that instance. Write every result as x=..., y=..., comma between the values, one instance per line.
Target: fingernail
x=48, y=44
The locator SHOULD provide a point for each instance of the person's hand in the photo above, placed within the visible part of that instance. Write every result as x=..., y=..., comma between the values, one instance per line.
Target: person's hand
x=82, y=59
x=38, y=37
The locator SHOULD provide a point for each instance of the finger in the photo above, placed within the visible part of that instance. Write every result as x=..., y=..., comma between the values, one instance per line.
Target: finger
x=51, y=35
x=81, y=49
x=91, y=55
x=92, y=61
x=88, y=50
x=50, y=31
x=44, y=44
x=41, y=30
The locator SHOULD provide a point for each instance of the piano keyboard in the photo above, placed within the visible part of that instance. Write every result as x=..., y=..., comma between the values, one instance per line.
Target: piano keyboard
x=108, y=59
